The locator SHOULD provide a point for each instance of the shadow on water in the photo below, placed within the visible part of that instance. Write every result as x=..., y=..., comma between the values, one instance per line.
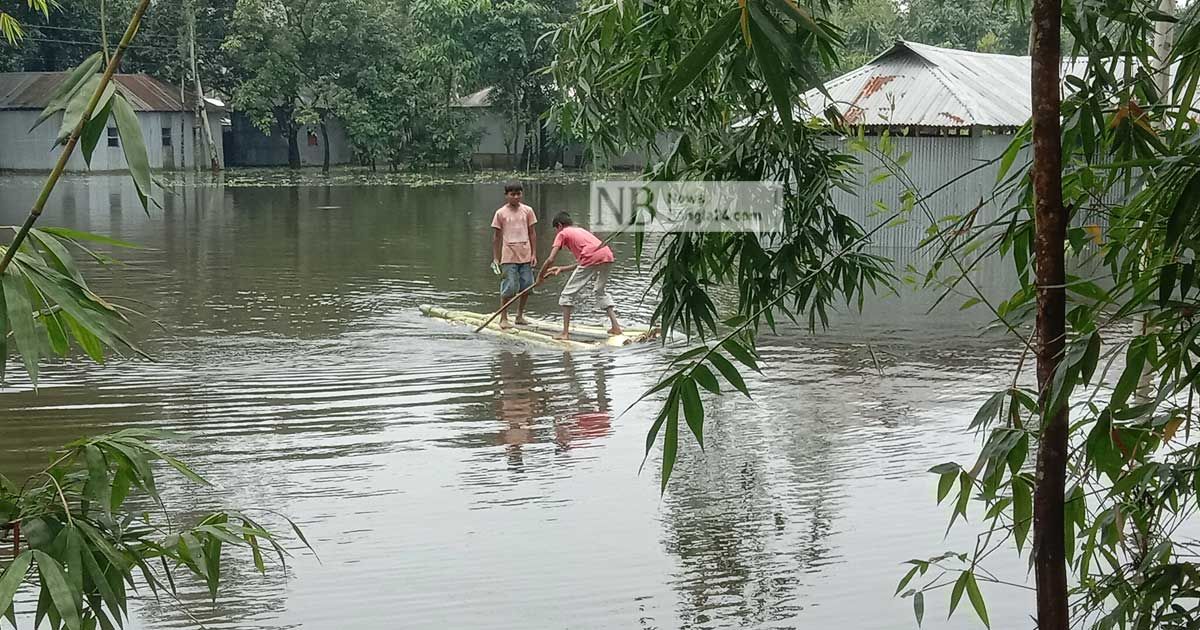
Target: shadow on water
x=452, y=480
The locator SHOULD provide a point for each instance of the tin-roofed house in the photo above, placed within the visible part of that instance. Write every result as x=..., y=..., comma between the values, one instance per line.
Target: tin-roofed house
x=950, y=110
x=953, y=112
x=168, y=124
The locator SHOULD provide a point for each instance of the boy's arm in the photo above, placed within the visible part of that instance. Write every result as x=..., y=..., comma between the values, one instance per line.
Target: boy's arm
x=533, y=245
x=497, y=242
x=549, y=261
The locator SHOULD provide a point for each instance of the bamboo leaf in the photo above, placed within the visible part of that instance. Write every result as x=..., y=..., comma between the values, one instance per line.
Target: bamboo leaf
x=100, y=581
x=71, y=83
x=256, y=551
x=989, y=411
x=741, y=353
x=94, y=130
x=670, y=443
x=1166, y=282
x=1135, y=359
x=11, y=579
x=907, y=578
x=58, y=336
x=60, y=589
x=89, y=342
x=77, y=235
x=73, y=561
x=698, y=59
x=20, y=318
x=803, y=19
x=693, y=409
x=73, y=114
x=134, y=147
x=945, y=484
x=730, y=372
x=706, y=378
x=977, y=599
x=956, y=593
x=1091, y=356
x=919, y=607
x=60, y=258
x=772, y=71
x=121, y=485
x=98, y=488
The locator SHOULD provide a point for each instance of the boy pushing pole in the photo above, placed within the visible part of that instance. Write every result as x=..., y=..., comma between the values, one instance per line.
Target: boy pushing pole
x=594, y=259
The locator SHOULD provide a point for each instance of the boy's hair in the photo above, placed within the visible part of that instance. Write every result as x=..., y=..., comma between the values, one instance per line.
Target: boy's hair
x=513, y=187
x=563, y=219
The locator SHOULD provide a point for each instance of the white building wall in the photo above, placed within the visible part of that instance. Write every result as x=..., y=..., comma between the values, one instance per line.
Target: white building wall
x=25, y=150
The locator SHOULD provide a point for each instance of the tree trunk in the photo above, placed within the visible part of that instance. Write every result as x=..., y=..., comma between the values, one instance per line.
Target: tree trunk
x=1051, y=230
x=210, y=146
x=325, y=140
x=293, y=144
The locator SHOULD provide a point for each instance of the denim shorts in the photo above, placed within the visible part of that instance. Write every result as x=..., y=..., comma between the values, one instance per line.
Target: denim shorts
x=515, y=277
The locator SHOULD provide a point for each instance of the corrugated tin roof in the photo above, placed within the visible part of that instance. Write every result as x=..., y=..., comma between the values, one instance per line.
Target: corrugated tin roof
x=920, y=85
x=32, y=90
x=917, y=84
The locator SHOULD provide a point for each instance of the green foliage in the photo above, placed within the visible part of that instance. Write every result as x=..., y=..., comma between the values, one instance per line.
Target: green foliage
x=80, y=543
x=868, y=27
x=76, y=535
x=1128, y=173
x=11, y=27
x=1131, y=180
x=48, y=301
x=981, y=25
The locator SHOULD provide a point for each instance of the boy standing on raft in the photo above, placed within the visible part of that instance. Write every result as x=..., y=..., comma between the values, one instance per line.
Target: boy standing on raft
x=514, y=249
x=594, y=259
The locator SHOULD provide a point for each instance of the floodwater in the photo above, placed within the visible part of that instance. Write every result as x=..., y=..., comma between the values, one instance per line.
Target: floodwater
x=449, y=480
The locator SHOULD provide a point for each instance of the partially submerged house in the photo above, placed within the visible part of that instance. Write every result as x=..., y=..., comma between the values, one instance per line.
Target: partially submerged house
x=169, y=125
x=502, y=141
x=247, y=145
x=951, y=110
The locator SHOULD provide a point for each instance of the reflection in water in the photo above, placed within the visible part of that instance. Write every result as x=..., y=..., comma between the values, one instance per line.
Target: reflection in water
x=517, y=403
x=450, y=480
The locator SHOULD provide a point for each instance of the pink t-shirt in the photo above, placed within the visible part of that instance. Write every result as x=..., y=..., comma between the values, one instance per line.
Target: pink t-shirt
x=587, y=248
x=514, y=224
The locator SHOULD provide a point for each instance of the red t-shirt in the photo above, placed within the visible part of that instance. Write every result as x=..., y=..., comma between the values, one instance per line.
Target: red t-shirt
x=587, y=248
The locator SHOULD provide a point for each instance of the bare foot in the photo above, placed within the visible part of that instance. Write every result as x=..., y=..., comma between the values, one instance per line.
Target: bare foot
x=505, y=325
x=563, y=337
x=521, y=321
x=615, y=330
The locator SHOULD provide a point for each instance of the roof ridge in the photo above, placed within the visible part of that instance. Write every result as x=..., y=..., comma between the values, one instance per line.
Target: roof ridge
x=942, y=77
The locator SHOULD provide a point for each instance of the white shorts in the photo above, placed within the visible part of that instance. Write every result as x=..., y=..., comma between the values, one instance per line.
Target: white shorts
x=597, y=275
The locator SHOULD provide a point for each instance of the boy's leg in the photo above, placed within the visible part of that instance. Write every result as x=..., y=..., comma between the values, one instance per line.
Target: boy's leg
x=603, y=300
x=566, y=300
x=525, y=280
x=508, y=285
x=566, y=333
x=612, y=318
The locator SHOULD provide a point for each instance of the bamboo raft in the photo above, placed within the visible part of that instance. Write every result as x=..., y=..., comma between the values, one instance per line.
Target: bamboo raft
x=540, y=331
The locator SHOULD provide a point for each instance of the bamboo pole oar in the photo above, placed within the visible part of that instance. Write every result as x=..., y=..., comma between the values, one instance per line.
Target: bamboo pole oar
x=518, y=296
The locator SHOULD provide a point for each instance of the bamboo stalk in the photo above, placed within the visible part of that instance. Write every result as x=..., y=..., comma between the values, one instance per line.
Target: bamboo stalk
x=61, y=165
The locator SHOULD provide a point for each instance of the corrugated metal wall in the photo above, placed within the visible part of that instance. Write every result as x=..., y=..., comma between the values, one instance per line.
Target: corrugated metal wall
x=934, y=162
x=35, y=151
